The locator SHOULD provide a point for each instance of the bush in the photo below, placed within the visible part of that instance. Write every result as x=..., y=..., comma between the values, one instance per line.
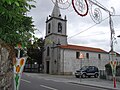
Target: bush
x=109, y=70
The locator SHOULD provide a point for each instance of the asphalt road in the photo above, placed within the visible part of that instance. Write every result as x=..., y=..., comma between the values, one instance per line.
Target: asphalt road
x=29, y=82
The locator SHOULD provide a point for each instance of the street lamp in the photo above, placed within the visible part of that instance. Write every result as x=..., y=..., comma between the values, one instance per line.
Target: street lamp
x=35, y=63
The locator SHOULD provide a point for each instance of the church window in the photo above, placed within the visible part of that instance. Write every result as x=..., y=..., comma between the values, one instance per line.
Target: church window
x=49, y=26
x=99, y=56
x=77, y=55
x=48, y=51
x=87, y=55
x=59, y=27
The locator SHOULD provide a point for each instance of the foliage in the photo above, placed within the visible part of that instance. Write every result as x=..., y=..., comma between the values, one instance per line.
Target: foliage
x=35, y=51
x=109, y=70
x=15, y=26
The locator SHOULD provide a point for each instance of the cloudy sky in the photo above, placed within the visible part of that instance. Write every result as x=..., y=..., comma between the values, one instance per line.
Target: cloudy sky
x=81, y=30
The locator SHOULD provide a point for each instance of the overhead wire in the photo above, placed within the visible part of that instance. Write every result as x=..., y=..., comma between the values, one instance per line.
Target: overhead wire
x=87, y=29
x=90, y=28
x=96, y=34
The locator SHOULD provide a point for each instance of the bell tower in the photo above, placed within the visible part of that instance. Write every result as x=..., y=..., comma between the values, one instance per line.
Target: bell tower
x=55, y=35
x=56, y=27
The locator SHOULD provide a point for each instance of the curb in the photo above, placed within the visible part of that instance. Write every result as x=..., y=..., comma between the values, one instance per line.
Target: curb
x=94, y=86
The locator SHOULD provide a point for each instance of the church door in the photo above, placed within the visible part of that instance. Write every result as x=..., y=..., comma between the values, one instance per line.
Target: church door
x=47, y=67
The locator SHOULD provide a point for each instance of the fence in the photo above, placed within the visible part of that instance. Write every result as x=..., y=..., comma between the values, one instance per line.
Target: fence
x=29, y=67
x=102, y=74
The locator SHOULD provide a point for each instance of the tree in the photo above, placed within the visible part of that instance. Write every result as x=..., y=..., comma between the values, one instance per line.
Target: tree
x=35, y=52
x=15, y=26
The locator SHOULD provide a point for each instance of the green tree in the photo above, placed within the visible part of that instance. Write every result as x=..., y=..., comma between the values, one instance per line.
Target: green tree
x=15, y=26
x=35, y=52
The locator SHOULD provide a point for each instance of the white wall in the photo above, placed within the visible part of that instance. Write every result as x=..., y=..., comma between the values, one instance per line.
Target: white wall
x=69, y=63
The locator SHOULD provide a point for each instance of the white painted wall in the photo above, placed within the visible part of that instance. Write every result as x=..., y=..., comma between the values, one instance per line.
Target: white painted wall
x=69, y=63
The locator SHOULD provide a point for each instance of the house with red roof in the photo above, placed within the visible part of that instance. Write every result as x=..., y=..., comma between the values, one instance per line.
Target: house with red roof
x=70, y=57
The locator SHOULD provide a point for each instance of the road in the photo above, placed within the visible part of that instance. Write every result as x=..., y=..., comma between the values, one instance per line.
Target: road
x=34, y=82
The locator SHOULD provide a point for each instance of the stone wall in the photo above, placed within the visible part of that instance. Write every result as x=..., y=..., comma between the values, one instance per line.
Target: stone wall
x=6, y=70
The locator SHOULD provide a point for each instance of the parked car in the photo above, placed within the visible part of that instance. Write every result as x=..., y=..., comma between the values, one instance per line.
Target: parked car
x=87, y=71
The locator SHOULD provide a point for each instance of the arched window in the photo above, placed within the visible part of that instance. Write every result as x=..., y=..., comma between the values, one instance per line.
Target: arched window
x=99, y=56
x=49, y=27
x=48, y=51
x=77, y=55
x=59, y=27
x=87, y=55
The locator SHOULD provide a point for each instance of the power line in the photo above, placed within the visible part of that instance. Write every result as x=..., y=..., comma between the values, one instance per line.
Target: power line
x=87, y=29
x=96, y=34
x=82, y=31
x=93, y=35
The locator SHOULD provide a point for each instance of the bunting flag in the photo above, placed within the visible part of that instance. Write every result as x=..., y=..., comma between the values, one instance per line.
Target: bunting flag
x=19, y=64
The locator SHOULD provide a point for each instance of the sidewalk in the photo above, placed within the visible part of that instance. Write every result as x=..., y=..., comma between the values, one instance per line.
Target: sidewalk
x=93, y=82
x=105, y=84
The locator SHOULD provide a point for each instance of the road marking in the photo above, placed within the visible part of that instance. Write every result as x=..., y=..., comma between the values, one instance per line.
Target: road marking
x=48, y=87
x=25, y=80
x=58, y=80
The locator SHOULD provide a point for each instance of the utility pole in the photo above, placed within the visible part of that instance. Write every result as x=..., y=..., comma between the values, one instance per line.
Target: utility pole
x=111, y=37
x=112, y=32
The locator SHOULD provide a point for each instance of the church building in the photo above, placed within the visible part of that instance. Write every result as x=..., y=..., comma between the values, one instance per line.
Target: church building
x=62, y=58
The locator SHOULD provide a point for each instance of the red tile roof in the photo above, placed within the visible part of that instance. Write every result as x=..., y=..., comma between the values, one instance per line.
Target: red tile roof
x=82, y=48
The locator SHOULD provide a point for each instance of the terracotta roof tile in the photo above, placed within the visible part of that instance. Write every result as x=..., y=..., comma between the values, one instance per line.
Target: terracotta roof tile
x=82, y=48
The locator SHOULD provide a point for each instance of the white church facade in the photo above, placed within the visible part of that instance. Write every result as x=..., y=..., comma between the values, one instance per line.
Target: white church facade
x=62, y=58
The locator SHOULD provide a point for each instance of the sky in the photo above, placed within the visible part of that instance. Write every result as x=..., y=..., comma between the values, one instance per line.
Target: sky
x=81, y=30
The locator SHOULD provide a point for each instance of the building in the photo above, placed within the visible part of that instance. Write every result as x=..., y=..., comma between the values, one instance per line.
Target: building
x=55, y=35
x=62, y=58
x=74, y=57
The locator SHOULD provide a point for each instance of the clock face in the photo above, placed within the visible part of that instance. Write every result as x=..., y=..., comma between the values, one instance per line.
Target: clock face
x=59, y=27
